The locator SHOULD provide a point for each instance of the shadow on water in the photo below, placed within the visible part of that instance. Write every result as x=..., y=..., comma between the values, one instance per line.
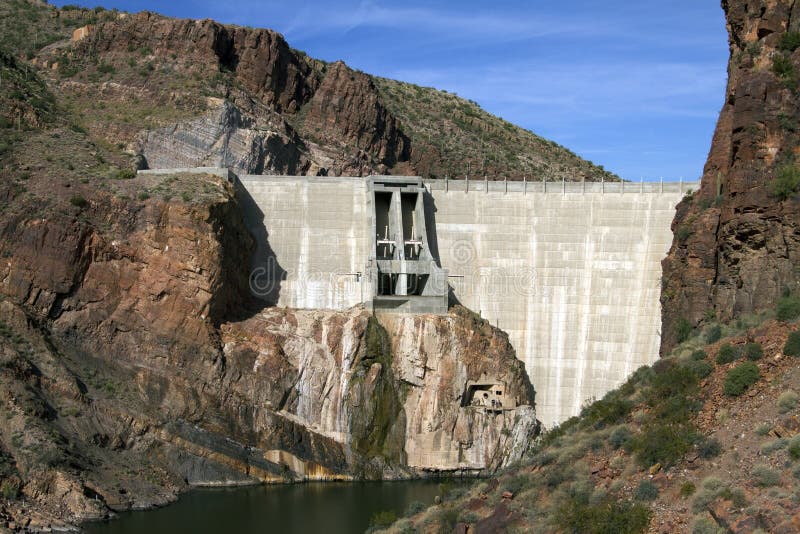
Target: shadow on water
x=332, y=508
x=266, y=274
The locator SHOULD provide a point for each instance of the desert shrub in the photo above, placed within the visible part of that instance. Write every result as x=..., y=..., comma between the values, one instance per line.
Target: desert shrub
x=710, y=489
x=122, y=174
x=703, y=525
x=763, y=429
x=786, y=181
x=517, y=483
x=609, y=410
x=447, y=519
x=78, y=201
x=787, y=401
x=792, y=346
x=740, y=378
x=662, y=443
x=764, y=476
x=727, y=353
x=700, y=368
x=793, y=448
x=788, y=308
x=687, y=489
x=143, y=195
x=186, y=196
x=790, y=41
x=9, y=489
x=782, y=66
x=753, y=351
x=646, y=491
x=773, y=445
x=619, y=437
x=709, y=448
x=683, y=233
x=698, y=355
x=714, y=334
x=382, y=519
x=683, y=328
x=415, y=507
x=608, y=517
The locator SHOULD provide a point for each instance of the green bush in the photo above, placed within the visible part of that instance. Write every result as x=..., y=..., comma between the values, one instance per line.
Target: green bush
x=619, y=437
x=727, y=353
x=687, y=489
x=683, y=329
x=383, y=519
x=78, y=201
x=714, y=334
x=610, y=410
x=740, y=378
x=790, y=41
x=703, y=525
x=782, y=66
x=765, y=476
x=662, y=443
x=144, y=195
x=9, y=490
x=786, y=182
x=787, y=401
x=683, y=233
x=753, y=351
x=709, y=448
x=415, y=507
x=607, y=517
x=646, y=491
x=793, y=448
x=517, y=483
x=699, y=355
x=700, y=368
x=788, y=308
x=792, y=346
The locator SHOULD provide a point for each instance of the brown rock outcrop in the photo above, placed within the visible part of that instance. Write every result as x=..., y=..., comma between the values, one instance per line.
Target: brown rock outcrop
x=133, y=365
x=737, y=245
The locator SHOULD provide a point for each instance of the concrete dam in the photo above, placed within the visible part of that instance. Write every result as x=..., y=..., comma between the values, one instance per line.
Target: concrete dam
x=570, y=270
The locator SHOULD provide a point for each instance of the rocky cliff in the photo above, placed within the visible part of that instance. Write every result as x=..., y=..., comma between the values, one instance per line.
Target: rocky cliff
x=737, y=242
x=134, y=365
x=196, y=91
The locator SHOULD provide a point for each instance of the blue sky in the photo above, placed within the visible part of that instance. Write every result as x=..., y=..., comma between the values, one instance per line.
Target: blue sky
x=635, y=86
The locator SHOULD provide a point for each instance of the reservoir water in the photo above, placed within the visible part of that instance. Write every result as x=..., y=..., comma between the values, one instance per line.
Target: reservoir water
x=324, y=507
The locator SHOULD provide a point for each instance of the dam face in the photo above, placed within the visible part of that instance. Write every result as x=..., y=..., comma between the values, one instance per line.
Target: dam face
x=571, y=271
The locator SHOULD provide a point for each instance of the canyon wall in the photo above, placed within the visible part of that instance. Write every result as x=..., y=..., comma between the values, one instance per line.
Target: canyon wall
x=135, y=362
x=736, y=250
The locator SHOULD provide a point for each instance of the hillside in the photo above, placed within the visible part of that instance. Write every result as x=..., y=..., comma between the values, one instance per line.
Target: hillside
x=242, y=97
x=705, y=441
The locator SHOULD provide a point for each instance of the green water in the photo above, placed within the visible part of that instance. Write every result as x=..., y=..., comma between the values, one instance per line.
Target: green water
x=329, y=508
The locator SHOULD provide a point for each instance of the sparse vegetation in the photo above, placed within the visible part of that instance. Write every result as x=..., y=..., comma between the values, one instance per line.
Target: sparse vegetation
x=765, y=476
x=787, y=401
x=78, y=201
x=786, y=182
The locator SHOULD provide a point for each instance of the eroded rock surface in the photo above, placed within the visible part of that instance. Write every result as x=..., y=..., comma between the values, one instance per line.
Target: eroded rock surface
x=133, y=365
x=737, y=244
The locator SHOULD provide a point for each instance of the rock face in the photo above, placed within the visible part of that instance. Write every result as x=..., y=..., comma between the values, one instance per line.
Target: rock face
x=223, y=138
x=132, y=365
x=737, y=243
x=337, y=111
